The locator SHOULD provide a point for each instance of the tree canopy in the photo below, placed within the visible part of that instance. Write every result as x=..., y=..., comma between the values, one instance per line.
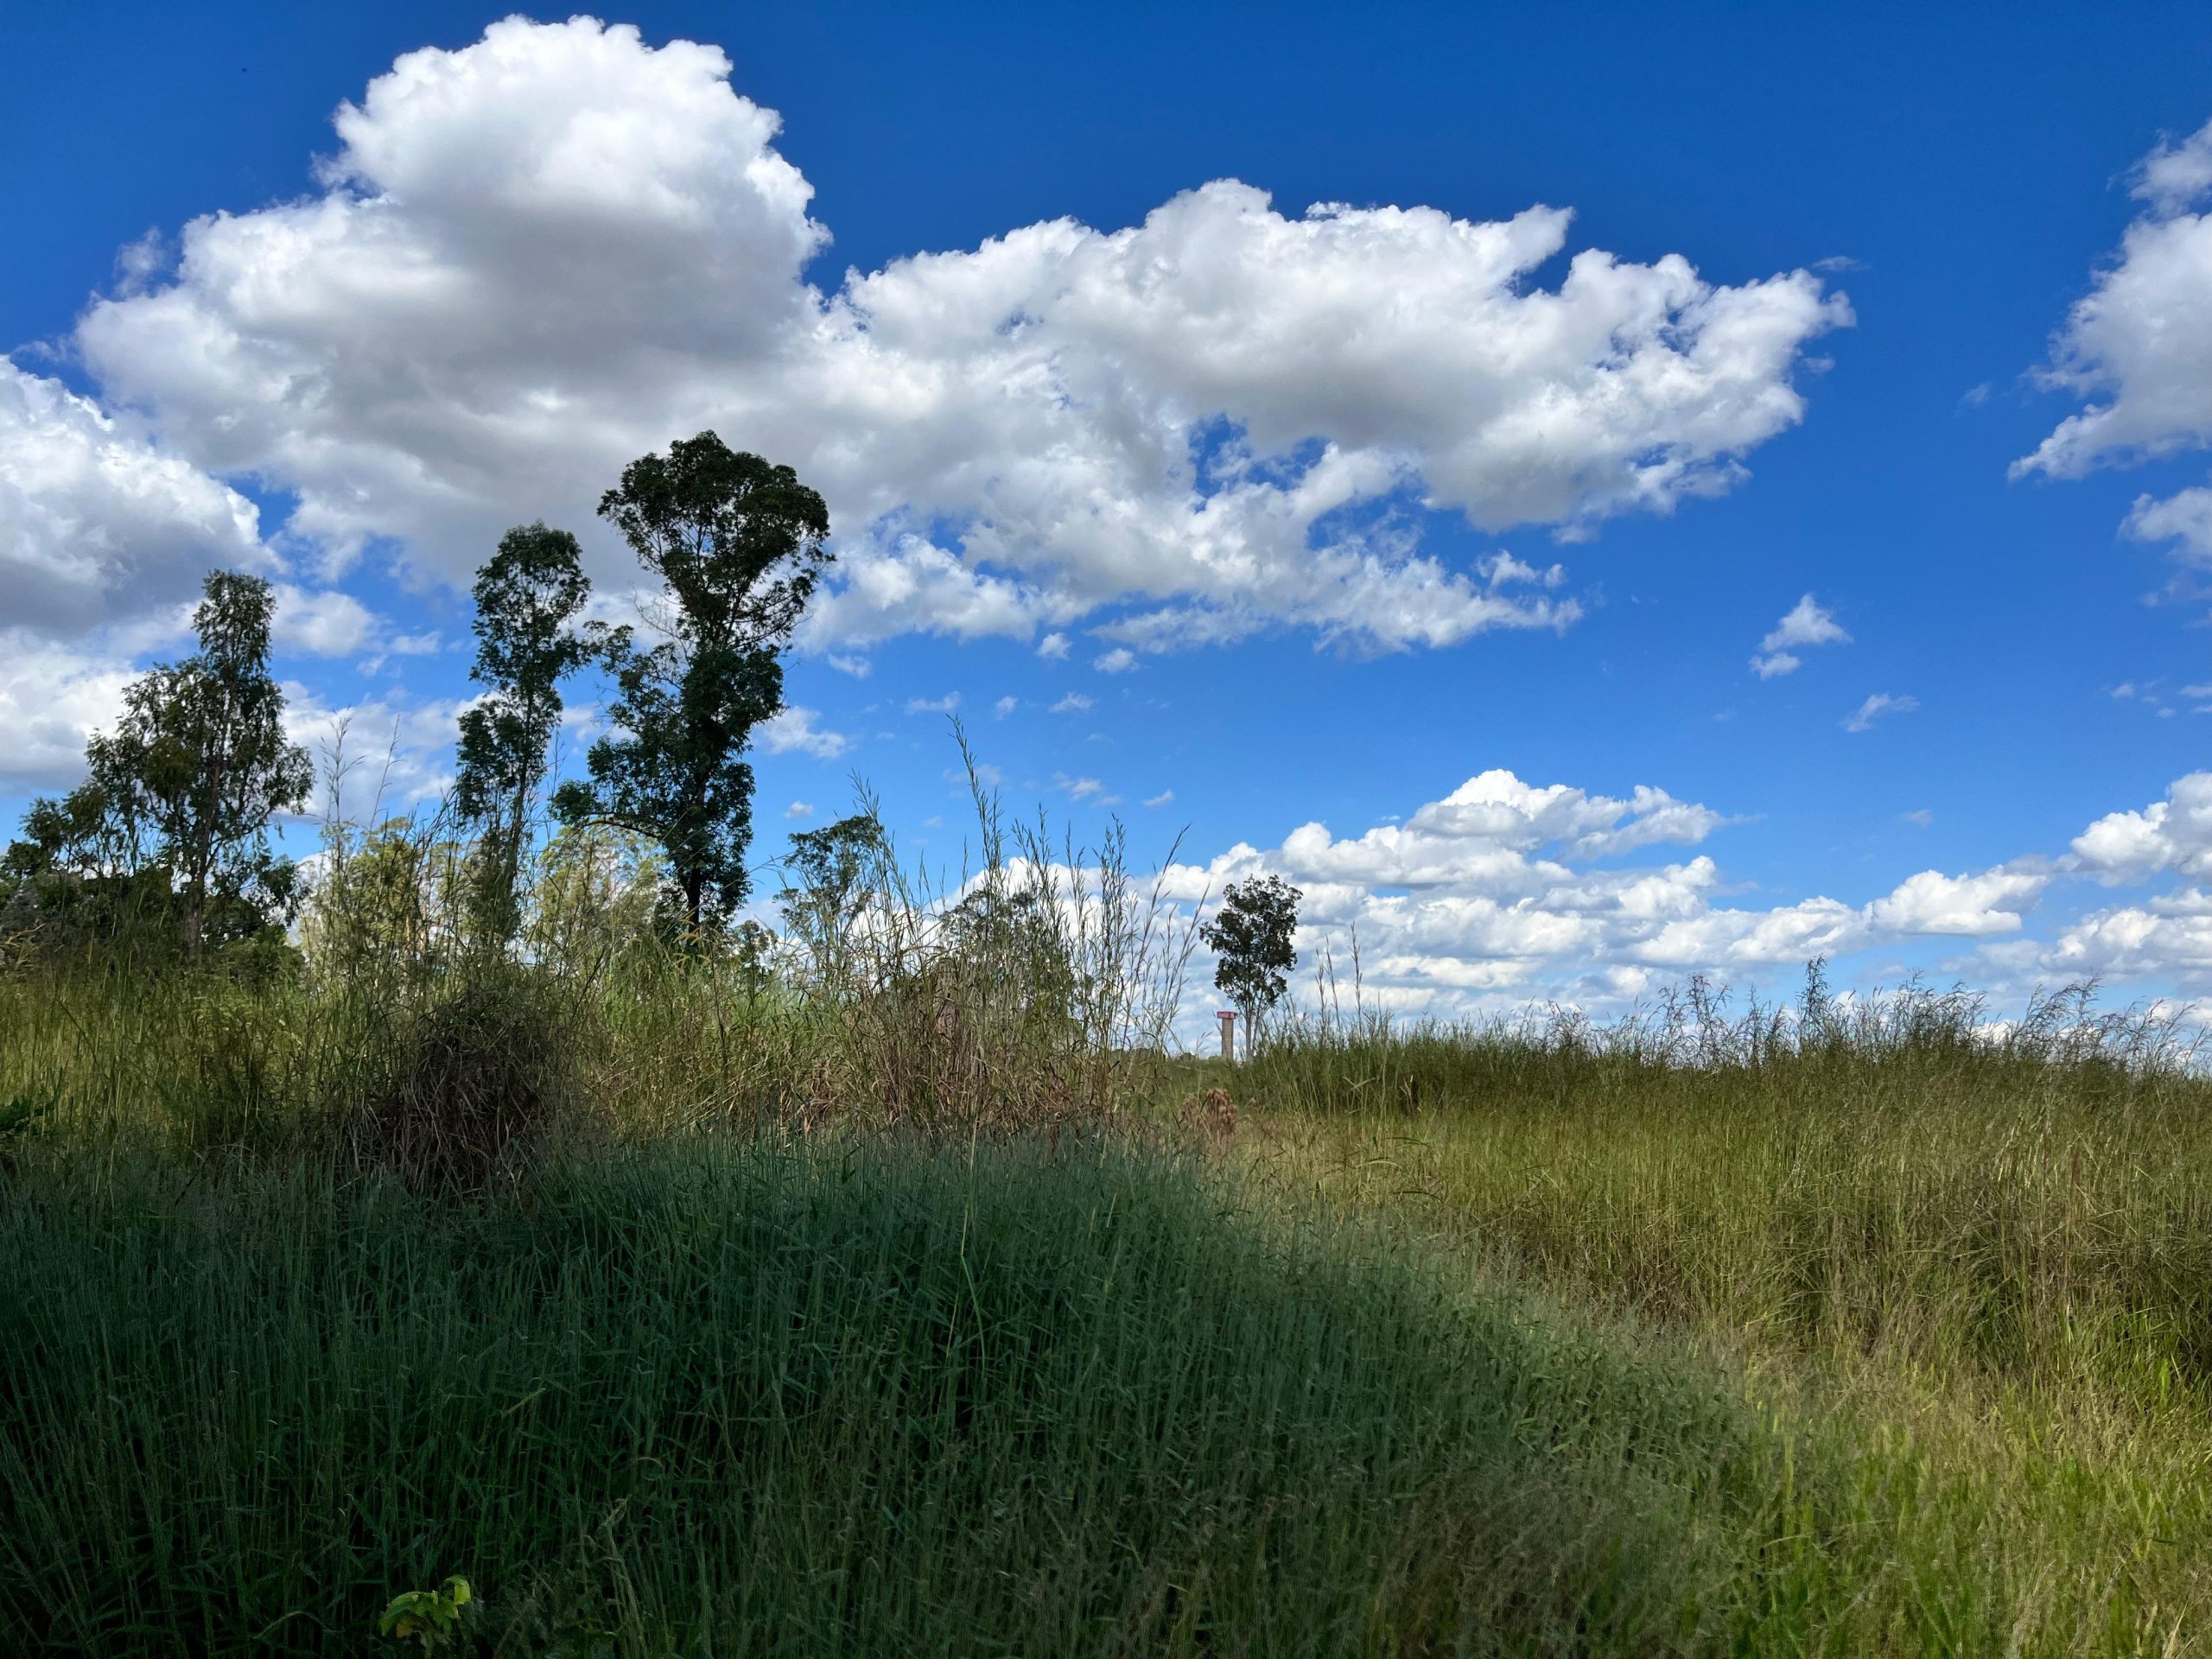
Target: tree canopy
x=1252, y=934
x=171, y=824
x=527, y=596
x=739, y=543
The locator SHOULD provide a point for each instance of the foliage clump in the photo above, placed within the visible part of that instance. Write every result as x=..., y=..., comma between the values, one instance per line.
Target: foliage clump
x=1253, y=934
x=740, y=544
x=165, y=845
x=527, y=595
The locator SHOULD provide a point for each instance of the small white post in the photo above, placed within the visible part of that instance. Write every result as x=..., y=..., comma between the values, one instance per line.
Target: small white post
x=1227, y=1017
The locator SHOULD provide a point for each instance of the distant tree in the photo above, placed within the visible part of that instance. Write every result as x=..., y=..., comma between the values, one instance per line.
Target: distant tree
x=82, y=867
x=1014, y=934
x=201, y=753
x=752, y=948
x=834, y=871
x=381, y=904
x=740, y=544
x=1251, y=934
x=174, y=811
x=597, y=900
x=527, y=594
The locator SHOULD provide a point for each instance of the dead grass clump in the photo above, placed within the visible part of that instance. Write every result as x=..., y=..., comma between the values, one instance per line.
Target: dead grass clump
x=1210, y=1116
x=481, y=1074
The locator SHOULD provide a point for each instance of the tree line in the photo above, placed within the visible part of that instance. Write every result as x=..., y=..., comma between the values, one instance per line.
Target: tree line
x=167, y=840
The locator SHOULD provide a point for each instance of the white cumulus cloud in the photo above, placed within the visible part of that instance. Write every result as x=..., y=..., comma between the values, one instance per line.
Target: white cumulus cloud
x=98, y=523
x=793, y=731
x=2174, y=175
x=1494, y=895
x=2172, y=834
x=1994, y=901
x=52, y=697
x=1806, y=624
x=535, y=257
x=1490, y=893
x=323, y=623
x=2168, y=938
x=2137, y=349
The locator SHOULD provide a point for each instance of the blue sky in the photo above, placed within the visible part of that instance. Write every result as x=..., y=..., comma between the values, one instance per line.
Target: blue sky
x=1828, y=282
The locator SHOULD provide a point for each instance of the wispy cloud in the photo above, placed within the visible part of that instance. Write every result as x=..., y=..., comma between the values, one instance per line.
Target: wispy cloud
x=1878, y=707
x=1082, y=789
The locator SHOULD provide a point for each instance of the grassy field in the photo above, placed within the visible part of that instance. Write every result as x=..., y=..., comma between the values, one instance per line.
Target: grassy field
x=631, y=1301
x=1984, y=1275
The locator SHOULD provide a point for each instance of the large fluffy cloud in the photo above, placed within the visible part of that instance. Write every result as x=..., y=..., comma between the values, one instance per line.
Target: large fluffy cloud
x=533, y=258
x=50, y=697
x=2168, y=938
x=105, y=536
x=2137, y=349
x=1489, y=824
x=97, y=525
x=2174, y=835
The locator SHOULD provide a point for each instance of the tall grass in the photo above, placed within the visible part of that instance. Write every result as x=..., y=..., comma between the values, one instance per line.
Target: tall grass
x=2031, y=1200
x=1992, y=1243
x=841, y=1292
x=1034, y=989
x=1039, y=985
x=743, y=1395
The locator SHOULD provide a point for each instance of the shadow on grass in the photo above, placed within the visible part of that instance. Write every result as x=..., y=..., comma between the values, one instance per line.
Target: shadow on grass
x=741, y=1397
